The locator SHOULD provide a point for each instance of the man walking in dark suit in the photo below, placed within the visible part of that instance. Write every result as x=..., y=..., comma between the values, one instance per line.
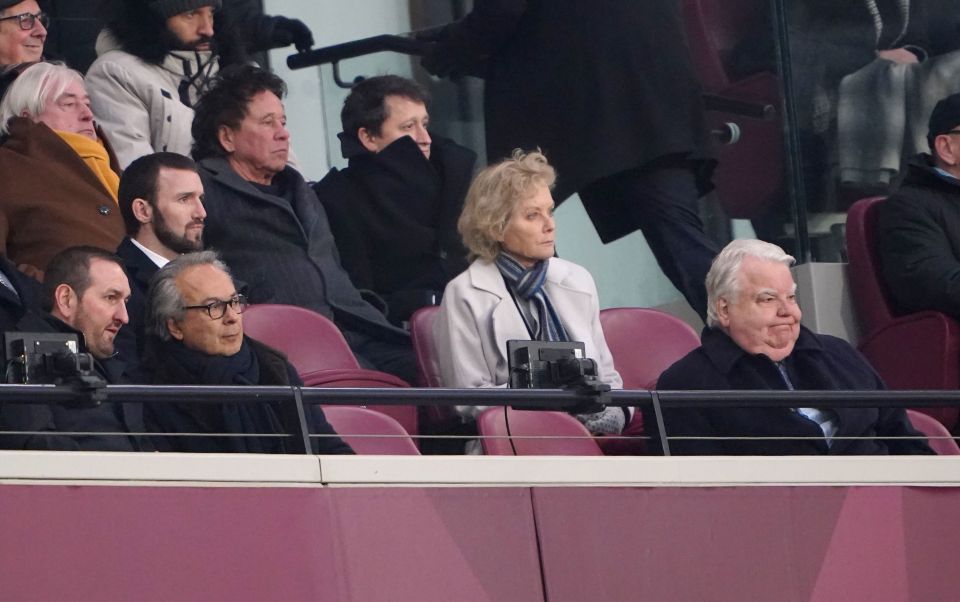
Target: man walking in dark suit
x=606, y=89
x=267, y=223
x=161, y=200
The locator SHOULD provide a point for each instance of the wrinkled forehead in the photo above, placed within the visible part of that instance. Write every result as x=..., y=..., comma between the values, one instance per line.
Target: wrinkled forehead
x=204, y=282
x=763, y=275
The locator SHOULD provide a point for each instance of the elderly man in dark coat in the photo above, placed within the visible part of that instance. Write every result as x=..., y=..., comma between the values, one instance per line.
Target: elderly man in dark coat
x=754, y=340
x=196, y=328
x=268, y=224
x=607, y=91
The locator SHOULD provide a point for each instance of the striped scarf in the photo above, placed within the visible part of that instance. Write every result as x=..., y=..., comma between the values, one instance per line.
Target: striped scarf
x=528, y=285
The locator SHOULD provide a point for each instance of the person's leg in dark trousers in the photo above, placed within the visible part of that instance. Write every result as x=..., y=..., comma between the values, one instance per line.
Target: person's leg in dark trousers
x=396, y=358
x=661, y=200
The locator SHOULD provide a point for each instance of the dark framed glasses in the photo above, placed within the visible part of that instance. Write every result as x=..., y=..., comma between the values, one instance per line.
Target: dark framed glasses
x=217, y=309
x=28, y=21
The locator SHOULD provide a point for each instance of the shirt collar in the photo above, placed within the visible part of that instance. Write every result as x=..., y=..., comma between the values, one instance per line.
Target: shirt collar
x=156, y=258
x=946, y=175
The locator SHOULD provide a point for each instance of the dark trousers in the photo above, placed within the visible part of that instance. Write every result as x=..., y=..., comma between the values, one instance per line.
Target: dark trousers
x=396, y=358
x=661, y=201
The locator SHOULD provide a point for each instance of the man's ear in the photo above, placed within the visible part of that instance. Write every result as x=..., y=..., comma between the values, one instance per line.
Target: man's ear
x=65, y=301
x=944, y=150
x=174, y=329
x=225, y=138
x=368, y=139
x=142, y=211
x=723, y=312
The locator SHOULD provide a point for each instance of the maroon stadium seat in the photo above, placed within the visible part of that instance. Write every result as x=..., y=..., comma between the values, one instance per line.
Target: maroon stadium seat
x=644, y=343
x=317, y=349
x=937, y=433
x=551, y=434
x=370, y=432
x=915, y=351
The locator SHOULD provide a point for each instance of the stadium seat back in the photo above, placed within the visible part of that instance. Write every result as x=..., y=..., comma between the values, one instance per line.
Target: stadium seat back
x=370, y=432
x=534, y=433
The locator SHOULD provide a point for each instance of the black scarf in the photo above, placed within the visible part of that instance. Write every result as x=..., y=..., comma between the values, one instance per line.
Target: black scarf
x=242, y=368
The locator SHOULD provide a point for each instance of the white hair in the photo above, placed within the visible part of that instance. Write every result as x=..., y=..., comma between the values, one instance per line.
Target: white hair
x=723, y=279
x=32, y=89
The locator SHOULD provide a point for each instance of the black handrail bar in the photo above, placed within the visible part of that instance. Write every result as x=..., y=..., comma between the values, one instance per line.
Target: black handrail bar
x=540, y=398
x=354, y=49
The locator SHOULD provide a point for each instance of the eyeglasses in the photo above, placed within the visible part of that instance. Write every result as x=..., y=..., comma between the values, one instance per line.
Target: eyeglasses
x=217, y=309
x=28, y=21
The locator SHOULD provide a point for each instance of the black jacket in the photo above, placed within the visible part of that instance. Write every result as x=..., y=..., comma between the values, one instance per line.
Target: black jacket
x=600, y=86
x=818, y=362
x=918, y=239
x=130, y=340
x=394, y=217
x=102, y=418
x=20, y=311
x=274, y=369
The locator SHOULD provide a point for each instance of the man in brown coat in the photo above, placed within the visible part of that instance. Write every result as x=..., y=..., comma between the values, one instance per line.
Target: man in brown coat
x=59, y=177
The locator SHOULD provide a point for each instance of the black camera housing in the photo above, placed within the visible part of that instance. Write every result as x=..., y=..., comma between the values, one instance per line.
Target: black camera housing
x=35, y=358
x=556, y=365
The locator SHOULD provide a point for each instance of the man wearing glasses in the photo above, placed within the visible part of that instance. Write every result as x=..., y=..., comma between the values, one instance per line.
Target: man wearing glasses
x=23, y=31
x=919, y=225
x=195, y=325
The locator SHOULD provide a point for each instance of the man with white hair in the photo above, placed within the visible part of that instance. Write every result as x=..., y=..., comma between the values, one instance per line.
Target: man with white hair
x=60, y=178
x=754, y=341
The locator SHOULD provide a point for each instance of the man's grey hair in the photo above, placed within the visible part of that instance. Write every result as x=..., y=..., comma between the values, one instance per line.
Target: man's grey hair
x=164, y=299
x=30, y=92
x=723, y=279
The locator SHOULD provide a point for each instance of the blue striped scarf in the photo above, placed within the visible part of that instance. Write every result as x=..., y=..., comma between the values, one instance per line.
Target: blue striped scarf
x=528, y=285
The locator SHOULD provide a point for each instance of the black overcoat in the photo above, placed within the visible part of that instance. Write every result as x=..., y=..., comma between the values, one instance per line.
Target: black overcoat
x=601, y=86
x=394, y=217
x=818, y=362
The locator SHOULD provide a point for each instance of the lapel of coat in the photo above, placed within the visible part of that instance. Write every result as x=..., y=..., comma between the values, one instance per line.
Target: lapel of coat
x=140, y=268
x=505, y=320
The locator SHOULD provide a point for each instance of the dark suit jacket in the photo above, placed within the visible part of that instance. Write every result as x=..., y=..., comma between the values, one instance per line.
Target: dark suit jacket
x=284, y=253
x=21, y=311
x=818, y=362
x=130, y=339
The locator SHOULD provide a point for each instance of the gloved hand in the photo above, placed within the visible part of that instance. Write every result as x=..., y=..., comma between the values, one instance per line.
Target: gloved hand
x=438, y=61
x=290, y=31
x=609, y=421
